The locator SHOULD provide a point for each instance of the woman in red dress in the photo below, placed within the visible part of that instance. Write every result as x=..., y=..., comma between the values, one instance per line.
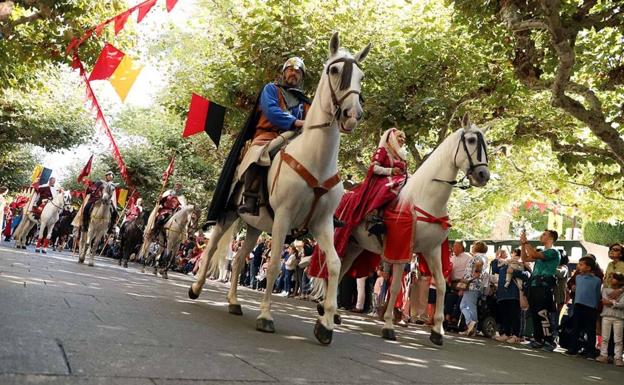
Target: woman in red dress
x=386, y=175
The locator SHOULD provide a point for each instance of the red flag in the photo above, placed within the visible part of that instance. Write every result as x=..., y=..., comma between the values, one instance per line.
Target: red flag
x=204, y=115
x=169, y=171
x=107, y=63
x=120, y=21
x=171, y=4
x=144, y=8
x=86, y=170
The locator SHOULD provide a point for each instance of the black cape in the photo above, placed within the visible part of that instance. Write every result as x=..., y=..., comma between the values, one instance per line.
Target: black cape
x=224, y=184
x=219, y=202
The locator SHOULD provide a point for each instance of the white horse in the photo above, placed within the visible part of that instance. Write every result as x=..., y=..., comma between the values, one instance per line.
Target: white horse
x=98, y=224
x=426, y=195
x=175, y=232
x=49, y=216
x=297, y=202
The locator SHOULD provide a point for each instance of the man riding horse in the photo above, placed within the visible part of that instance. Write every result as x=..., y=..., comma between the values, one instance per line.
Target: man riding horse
x=94, y=192
x=170, y=202
x=43, y=194
x=282, y=108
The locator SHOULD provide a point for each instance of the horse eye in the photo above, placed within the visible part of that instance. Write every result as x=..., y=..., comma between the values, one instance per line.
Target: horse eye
x=472, y=140
x=334, y=70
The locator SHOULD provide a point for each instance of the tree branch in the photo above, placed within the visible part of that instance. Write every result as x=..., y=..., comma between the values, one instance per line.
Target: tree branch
x=595, y=189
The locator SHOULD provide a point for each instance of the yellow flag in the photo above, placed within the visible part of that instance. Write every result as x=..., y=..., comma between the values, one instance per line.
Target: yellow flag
x=122, y=195
x=124, y=76
x=36, y=174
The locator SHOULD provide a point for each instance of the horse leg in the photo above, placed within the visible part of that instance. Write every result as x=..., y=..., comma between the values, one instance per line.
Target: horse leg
x=239, y=261
x=92, y=243
x=264, y=322
x=39, y=243
x=434, y=262
x=323, y=330
x=82, y=247
x=218, y=231
x=397, y=276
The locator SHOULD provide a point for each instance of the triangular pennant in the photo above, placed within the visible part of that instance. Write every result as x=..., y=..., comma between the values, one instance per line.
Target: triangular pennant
x=99, y=29
x=171, y=4
x=107, y=63
x=144, y=8
x=196, y=118
x=120, y=21
x=124, y=76
x=204, y=115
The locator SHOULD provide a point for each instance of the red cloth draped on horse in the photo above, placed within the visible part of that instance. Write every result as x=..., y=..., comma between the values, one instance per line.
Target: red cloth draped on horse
x=386, y=176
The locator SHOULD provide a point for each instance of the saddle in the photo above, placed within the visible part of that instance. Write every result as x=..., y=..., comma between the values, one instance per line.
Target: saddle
x=37, y=210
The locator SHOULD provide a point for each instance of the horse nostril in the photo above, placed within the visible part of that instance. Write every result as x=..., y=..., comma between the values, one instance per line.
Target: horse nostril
x=345, y=113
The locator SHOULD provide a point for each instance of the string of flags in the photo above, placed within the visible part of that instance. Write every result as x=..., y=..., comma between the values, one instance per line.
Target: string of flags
x=122, y=71
x=115, y=66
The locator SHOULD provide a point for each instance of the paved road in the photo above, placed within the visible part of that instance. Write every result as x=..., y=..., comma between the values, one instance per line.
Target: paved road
x=65, y=323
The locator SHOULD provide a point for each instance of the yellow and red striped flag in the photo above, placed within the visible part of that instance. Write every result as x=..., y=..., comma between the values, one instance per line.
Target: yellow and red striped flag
x=118, y=68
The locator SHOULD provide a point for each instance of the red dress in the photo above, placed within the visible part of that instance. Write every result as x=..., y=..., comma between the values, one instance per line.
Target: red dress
x=375, y=192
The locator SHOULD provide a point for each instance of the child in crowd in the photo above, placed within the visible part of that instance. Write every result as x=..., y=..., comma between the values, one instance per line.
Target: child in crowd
x=515, y=264
x=586, y=303
x=612, y=318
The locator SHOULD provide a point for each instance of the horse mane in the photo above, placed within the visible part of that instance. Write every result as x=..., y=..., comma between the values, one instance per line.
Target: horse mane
x=435, y=161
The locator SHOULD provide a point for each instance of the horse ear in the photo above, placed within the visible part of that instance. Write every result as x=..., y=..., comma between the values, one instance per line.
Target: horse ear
x=334, y=44
x=466, y=121
x=363, y=53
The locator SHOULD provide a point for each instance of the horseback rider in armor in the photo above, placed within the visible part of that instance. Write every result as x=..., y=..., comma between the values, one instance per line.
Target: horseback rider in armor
x=43, y=194
x=94, y=191
x=282, y=107
x=170, y=202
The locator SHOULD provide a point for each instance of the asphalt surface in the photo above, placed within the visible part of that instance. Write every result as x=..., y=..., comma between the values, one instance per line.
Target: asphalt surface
x=65, y=323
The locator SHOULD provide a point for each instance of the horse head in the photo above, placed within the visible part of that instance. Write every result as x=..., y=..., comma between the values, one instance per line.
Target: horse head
x=108, y=190
x=471, y=154
x=340, y=85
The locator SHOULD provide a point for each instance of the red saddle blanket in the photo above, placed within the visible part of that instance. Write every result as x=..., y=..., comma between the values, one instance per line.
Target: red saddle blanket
x=398, y=244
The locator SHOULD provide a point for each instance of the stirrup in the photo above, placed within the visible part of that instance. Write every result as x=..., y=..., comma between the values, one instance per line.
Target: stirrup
x=250, y=206
x=377, y=226
x=338, y=222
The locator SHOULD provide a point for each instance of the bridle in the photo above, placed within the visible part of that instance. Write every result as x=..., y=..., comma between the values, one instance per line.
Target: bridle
x=345, y=82
x=482, y=159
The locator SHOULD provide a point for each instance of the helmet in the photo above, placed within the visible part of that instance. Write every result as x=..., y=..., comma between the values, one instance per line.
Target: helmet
x=296, y=63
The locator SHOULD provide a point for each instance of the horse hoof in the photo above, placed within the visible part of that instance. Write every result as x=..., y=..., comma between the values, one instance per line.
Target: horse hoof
x=120, y=262
x=235, y=309
x=91, y=264
x=125, y=264
x=388, y=334
x=155, y=271
x=322, y=334
x=143, y=270
x=192, y=294
x=164, y=275
x=80, y=260
x=36, y=250
x=436, y=338
x=44, y=252
x=265, y=325
x=320, y=309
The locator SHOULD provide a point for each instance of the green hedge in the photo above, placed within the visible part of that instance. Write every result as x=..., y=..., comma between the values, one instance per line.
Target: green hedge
x=603, y=233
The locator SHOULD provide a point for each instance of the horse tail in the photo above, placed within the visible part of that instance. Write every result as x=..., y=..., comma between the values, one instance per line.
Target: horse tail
x=218, y=257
